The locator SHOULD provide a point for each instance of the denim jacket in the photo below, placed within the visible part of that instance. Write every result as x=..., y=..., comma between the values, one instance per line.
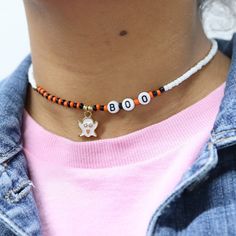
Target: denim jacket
x=203, y=202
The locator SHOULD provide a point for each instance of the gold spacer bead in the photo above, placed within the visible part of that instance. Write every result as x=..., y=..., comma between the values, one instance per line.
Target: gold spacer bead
x=90, y=108
x=85, y=107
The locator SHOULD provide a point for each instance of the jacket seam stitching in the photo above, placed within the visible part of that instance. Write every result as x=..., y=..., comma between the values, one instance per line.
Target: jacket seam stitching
x=10, y=153
x=10, y=226
x=223, y=131
x=215, y=135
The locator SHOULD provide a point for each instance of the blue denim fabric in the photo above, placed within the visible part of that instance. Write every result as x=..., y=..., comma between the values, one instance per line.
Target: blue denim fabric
x=203, y=202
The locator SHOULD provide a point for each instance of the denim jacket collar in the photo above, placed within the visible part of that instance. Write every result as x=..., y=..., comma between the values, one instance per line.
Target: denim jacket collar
x=13, y=91
x=12, y=98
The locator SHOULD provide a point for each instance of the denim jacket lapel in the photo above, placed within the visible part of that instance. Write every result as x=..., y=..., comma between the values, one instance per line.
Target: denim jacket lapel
x=18, y=209
x=223, y=134
x=12, y=96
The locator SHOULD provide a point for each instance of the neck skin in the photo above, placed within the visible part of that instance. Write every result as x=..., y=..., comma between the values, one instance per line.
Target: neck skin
x=79, y=55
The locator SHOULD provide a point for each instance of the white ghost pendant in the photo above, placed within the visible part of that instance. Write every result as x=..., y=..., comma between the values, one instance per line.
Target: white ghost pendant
x=88, y=125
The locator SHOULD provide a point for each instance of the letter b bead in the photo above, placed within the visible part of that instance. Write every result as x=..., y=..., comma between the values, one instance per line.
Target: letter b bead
x=144, y=98
x=113, y=107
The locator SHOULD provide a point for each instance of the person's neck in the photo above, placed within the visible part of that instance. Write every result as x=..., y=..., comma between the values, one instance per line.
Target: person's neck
x=78, y=54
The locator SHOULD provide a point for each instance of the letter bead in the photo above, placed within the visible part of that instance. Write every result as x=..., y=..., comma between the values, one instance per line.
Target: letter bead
x=113, y=107
x=128, y=104
x=144, y=98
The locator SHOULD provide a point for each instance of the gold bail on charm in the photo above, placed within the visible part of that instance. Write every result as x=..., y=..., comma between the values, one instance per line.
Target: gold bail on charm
x=88, y=125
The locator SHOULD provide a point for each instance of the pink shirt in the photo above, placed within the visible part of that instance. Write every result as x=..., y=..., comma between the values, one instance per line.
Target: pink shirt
x=113, y=186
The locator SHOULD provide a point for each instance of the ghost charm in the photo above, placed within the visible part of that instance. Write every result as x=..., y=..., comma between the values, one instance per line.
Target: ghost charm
x=88, y=125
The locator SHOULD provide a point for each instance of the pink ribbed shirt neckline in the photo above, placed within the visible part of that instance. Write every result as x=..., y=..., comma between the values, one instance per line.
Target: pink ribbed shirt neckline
x=164, y=136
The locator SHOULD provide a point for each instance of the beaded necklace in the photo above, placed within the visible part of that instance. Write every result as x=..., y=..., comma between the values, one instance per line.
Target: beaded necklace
x=88, y=125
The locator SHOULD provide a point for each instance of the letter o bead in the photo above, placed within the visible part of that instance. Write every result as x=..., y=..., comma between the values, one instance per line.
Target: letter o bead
x=144, y=98
x=128, y=104
x=113, y=107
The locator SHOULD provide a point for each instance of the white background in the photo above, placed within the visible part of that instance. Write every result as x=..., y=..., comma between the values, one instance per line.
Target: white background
x=14, y=43
x=14, y=40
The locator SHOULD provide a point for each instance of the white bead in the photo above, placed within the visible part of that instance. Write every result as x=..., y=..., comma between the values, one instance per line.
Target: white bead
x=113, y=107
x=144, y=98
x=31, y=76
x=128, y=104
